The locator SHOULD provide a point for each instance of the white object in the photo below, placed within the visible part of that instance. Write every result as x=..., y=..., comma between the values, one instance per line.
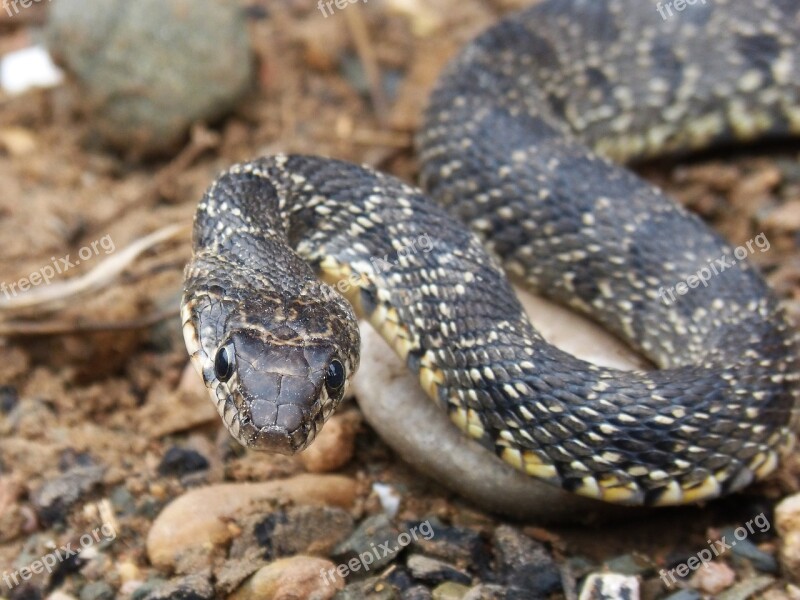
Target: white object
x=28, y=68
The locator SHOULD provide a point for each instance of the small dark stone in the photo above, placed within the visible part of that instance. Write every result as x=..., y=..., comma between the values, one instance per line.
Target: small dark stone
x=147, y=587
x=452, y=544
x=191, y=587
x=744, y=548
x=97, y=590
x=56, y=496
x=525, y=563
x=297, y=530
x=182, y=461
x=374, y=541
x=418, y=592
x=9, y=397
x=400, y=578
x=433, y=570
x=629, y=564
x=487, y=591
x=373, y=588
x=684, y=595
x=26, y=591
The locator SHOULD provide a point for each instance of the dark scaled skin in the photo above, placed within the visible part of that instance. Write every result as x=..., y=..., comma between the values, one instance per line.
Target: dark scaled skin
x=506, y=149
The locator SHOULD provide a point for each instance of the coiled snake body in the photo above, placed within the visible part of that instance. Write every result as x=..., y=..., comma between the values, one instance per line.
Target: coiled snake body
x=506, y=148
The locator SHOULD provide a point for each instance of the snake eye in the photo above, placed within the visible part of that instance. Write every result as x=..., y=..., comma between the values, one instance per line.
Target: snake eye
x=334, y=378
x=223, y=363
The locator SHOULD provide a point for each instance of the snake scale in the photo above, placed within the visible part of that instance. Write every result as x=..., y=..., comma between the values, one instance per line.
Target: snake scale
x=516, y=144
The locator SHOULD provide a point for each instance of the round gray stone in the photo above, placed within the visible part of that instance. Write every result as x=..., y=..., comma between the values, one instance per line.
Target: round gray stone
x=151, y=68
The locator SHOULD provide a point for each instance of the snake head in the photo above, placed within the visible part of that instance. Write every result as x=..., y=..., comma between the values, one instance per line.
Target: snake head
x=275, y=370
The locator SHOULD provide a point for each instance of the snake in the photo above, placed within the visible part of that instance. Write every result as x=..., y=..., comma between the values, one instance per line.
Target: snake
x=524, y=174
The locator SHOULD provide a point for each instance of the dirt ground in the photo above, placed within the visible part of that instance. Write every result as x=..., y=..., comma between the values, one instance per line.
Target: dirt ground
x=100, y=378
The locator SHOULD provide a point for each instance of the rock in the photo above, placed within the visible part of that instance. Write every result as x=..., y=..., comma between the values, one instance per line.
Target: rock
x=290, y=579
x=97, y=590
x=713, y=578
x=629, y=564
x=9, y=397
x=787, y=523
x=454, y=544
x=394, y=404
x=417, y=592
x=449, y=590
x=334, y=445
x=684, y=595
x=610, y=586
x=191, y=587
x=181, y=461
x=525, y=563
x=197, y=519
x=487, y=591
x=432, y=570
x=747, y=588
x=744, y=548
x=193, y=62
x=297, y=530
x=373, y=588
x=371, y=546
x=56, y=496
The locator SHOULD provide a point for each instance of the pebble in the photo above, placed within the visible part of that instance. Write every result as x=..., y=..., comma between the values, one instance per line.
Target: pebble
x=97, y=590
x=373, y=588
x=193, y=62
x=629, y=564
x=296, y=530
x=334, y=446
x=450, y=590
x=417, y=592
x=394, y=404
x=525, y=563
x=713, y=578
x=487, y=591
x=191, y=587
x=787, y=524
x=9, y=398
x=369, y=541
x=684, y=595
x=432, y=570
x=55, y=497
x=196, y=521
x=747, y=588
x=181, y=461
x=454, y=544
x=289, y=579
x=610, y=586
x=763, y=561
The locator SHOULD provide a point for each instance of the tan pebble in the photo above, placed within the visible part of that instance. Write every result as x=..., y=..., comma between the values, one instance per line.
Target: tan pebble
x=198, y=519
x=450, y=590
x=334, y=445
x=128, y=571
x=17, y=141
x=787, y=523
x=713, y=578
x=291, y=578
